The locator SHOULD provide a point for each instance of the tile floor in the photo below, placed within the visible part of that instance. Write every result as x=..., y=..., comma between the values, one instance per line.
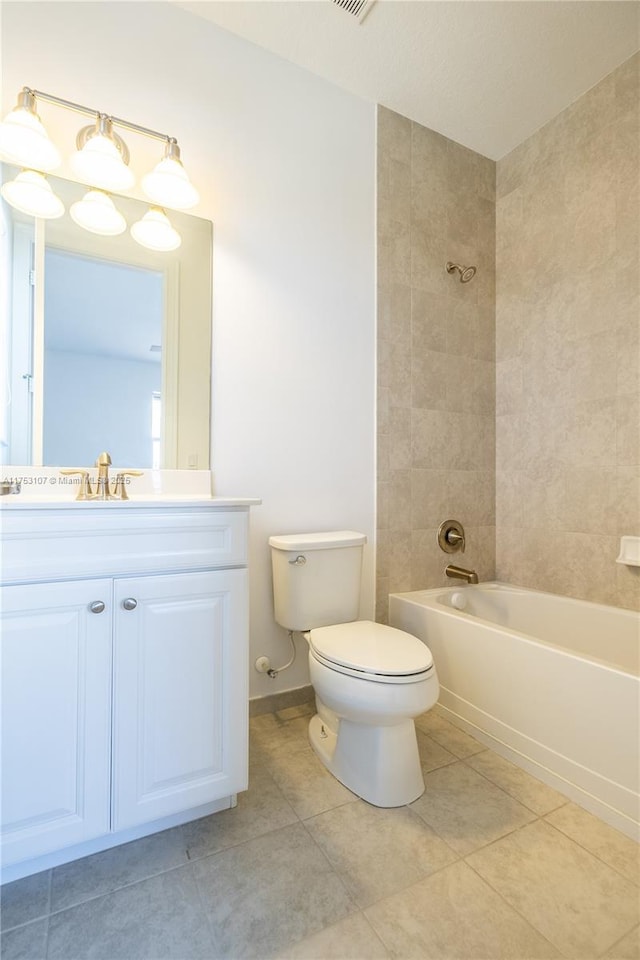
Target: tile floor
x=488, y=863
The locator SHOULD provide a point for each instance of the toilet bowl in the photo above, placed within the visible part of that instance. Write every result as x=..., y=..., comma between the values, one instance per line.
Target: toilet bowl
x=370, y=680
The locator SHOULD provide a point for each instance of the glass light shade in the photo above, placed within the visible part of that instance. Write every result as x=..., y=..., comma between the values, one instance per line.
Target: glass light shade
x=31, y=193
x=100, y=164
x=168, y=184
x=24, y=141
x=155, y=232
x=96, y=212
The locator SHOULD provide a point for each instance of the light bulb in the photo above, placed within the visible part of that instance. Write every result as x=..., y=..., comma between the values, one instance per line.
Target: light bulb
x=31, y=193
x=97, y=213
x=23, y=138
x=168, y=183
x=100, y=158
x=155, y=232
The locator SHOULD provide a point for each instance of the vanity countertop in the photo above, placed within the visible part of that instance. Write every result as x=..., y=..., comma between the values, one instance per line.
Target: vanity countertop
x=45, y=488
x=34, y=502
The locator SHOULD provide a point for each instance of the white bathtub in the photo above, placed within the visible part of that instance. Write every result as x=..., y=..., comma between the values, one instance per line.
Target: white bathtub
x=549, y=682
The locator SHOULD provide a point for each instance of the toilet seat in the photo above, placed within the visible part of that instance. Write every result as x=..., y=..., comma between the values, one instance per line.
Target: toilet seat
x=371, y=651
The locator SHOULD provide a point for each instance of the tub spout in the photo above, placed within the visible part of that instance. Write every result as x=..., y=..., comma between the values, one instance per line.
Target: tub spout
x=459, y=573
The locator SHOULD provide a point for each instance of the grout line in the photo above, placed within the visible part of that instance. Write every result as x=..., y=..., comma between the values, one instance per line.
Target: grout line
x=124, y=886
x=614, y=945
x=605, y=863
x=512, y=796
x=405, y=886
x=205, y=911
x=522, y=916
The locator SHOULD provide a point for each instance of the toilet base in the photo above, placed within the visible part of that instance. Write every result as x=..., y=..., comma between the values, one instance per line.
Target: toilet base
x=380, y=764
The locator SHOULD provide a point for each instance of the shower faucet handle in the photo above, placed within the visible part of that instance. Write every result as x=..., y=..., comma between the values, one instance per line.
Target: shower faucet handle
x=451, y=536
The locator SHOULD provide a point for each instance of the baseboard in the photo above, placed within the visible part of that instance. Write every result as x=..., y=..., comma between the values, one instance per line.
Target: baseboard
x=280, y=701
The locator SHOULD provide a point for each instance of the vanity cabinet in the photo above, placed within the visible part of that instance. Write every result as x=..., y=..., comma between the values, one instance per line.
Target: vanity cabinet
x=175, y=654
x=124, y=697
x=56, y=716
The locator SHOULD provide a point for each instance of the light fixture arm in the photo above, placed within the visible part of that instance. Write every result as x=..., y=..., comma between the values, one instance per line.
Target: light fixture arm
x=31, y=95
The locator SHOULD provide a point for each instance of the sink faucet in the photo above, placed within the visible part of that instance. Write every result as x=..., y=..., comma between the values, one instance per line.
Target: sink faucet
x=102, y=483
x=103, y=490
x=459, y=573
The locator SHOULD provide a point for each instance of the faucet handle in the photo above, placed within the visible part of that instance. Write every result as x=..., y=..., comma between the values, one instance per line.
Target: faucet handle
x=451, y=536
x=120, y=486
x=84, y=493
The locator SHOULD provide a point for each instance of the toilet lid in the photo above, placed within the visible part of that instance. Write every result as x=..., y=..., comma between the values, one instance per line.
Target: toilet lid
x=371, y=648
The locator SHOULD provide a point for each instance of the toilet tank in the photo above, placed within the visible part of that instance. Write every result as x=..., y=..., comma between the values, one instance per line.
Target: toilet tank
x=316, y=578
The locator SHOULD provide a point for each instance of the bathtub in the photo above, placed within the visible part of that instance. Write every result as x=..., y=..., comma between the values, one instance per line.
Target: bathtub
x=549, y=682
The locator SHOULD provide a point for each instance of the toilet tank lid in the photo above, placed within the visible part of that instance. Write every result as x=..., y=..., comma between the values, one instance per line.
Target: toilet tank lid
x=318, y=541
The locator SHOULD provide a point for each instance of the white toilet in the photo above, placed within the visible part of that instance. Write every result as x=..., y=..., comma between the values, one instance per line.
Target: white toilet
x=370, y=680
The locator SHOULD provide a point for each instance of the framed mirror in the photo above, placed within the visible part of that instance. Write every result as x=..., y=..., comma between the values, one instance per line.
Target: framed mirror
x=105, y=344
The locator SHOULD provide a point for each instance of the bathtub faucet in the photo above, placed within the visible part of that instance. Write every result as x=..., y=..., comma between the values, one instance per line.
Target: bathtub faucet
x=459, y=573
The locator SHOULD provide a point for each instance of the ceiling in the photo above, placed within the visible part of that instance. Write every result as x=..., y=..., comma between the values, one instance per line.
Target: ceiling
x=486, y=73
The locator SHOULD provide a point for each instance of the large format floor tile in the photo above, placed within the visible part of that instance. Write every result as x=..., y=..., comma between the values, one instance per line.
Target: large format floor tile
x=349, y=939
x=579, y=903
x=161, y=918
x=303, y=870
x=378, y=851
x=105, y=872
x=534, y=794
x=620, y=852
x=266, y=894
x=432, y=754
x=25, y=943
x=455, y=914
x=260, y=809
x=25, y=900
x=628, y=948
x=456, y=741
x=271, y=732
x=466, y=810
x=306, y=783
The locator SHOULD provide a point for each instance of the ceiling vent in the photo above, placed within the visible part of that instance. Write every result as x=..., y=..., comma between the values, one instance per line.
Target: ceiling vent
x=355, y=8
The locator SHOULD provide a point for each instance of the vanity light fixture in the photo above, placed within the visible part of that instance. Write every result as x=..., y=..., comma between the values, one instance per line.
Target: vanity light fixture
x=101, y=159
x=97, y=213
x=23, y=138
x=168, y=183
x=31, y=193
x=155, y=232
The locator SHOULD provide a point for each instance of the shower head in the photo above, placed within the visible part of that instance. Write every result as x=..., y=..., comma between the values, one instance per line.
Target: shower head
x=466, y=273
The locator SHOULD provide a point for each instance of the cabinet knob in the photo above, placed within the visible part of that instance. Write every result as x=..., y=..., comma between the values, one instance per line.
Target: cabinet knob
x=129, y=603
x=97, y=606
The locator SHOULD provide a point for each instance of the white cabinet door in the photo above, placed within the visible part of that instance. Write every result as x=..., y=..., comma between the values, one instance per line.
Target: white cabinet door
x=56, y=715
x=180, y=693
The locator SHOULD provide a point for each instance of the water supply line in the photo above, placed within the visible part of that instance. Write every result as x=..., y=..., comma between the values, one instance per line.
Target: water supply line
x=263, y=665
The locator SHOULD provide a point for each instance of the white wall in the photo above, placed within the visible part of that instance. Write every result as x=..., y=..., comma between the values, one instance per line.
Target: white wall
x=285, y=163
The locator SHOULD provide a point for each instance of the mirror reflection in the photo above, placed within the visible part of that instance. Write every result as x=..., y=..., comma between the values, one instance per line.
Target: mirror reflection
x=106, y=344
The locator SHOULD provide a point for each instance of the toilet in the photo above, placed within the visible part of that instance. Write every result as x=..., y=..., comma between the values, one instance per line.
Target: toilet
x=370, y=680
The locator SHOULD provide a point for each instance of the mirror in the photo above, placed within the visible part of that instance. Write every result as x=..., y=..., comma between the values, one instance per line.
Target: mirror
x=106, y=345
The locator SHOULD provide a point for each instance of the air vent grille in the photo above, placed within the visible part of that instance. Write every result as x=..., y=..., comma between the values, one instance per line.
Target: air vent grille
x=355, y=8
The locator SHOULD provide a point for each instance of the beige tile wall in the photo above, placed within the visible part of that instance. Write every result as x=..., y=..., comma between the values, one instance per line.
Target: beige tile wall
x=436, y=355
x=567, y=348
